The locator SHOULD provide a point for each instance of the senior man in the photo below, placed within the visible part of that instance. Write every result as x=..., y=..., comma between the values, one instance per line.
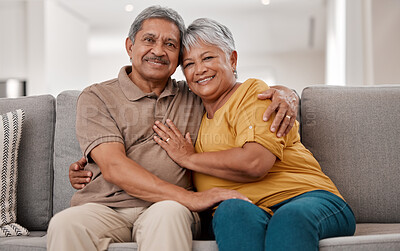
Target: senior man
x=137, y=193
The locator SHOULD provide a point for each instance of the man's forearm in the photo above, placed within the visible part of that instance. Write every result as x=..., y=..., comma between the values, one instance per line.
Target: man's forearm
x=140, y=183
x=133, y=178
x=286, y=89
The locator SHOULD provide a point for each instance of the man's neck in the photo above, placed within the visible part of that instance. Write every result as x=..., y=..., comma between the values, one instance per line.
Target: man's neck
x=149, y=86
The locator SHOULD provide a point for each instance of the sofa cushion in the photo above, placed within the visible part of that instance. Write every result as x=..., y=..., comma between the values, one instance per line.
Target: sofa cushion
x=66, y=148
x=385, y=242
x=354, y=133
x=35, y=160
x=377, y=228
x=32, y=243
x=197, y=246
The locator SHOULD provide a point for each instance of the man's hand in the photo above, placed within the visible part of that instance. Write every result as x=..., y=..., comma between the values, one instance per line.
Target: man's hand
x=77, y=176
x=200, y=201
x=286, y=103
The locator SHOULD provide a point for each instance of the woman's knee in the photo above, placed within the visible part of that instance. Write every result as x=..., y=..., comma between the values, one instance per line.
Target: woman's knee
x=233, y=208
x=295, y=215
x=240, y=210
x=240, y=225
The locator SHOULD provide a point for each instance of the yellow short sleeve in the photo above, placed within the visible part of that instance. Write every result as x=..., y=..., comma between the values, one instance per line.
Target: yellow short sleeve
x=249, y=125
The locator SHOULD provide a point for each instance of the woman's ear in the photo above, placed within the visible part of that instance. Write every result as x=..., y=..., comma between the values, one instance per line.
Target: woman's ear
x=234, y=57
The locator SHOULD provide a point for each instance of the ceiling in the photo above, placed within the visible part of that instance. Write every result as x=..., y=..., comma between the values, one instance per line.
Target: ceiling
x=281, y=26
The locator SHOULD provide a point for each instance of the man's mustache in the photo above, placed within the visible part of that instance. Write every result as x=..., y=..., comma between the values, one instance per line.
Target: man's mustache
x=157, y=59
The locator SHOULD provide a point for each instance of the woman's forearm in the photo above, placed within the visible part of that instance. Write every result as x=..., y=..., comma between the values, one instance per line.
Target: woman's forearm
x=249, y=163
x=242, y=164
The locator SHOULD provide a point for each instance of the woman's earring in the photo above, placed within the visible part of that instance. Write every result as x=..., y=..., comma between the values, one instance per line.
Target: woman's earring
x=235, y=73
x=130, y=59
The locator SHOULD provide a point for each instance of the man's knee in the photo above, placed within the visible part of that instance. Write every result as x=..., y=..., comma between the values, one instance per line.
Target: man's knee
x=60, y=221
x=169, y=210
x=165, y=225
x=164, y=217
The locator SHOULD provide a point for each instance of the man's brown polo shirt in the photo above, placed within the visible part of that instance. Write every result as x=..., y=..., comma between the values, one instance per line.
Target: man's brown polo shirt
x=118, y=111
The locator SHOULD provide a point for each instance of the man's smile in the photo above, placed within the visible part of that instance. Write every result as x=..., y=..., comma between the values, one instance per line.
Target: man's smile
x=156, y=60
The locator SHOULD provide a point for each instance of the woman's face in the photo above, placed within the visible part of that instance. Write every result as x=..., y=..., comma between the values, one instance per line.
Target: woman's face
x=208, y=72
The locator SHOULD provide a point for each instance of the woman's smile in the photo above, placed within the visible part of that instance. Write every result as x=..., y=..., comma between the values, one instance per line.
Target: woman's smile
x=204, y=81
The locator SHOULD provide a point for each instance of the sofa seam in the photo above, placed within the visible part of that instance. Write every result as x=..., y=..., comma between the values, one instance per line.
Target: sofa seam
x=358, y=243
x=51, y=163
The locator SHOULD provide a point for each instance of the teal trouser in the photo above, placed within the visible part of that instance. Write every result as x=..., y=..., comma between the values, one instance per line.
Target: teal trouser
x=297, y=224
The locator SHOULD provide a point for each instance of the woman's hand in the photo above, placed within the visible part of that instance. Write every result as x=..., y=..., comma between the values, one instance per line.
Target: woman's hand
x=179, y=148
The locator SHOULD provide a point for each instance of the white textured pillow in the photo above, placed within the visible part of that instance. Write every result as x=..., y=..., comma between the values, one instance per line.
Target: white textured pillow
x=10, y=136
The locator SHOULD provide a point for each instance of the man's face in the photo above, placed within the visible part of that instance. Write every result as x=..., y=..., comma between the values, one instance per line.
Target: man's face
x=155, y=53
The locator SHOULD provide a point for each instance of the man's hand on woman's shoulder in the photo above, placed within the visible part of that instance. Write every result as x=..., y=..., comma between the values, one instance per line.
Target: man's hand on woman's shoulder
x=286, y=103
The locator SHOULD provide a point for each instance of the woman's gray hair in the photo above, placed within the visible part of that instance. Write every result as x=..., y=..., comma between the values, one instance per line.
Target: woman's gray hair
x=156, y=12
x=210, y=32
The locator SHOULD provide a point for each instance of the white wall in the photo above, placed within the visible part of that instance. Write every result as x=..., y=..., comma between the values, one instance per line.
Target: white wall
x=66, y=51
x=44, y=43
x=106, y=56
x=295, y=70
x=370, y=54
x=386, y=41
x=12, y=40
x=35, y=44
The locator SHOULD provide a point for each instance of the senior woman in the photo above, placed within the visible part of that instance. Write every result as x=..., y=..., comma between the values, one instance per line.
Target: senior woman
x=294, y=204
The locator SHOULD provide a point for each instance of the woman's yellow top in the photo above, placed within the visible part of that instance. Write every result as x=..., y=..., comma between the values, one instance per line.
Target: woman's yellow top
x=238, y=121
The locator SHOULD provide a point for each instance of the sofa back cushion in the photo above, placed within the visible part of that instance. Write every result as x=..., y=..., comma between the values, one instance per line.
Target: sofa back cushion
x=354, y=133
x=35, y=159
x=66, y=148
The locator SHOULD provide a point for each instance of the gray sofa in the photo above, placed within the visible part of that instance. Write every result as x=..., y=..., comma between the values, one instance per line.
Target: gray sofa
x=354, y=132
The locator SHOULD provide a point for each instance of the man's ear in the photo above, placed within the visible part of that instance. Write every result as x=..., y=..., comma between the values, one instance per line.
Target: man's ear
x=128, y=46
x=234, y=57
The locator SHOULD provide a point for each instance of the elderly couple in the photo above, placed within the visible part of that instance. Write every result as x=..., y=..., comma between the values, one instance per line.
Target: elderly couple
x=265, y=189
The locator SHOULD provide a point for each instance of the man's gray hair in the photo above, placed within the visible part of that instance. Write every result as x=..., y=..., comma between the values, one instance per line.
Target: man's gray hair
x=210, y=32
x=156, y=12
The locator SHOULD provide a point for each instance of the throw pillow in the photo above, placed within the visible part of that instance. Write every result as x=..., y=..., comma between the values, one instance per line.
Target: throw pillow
x=10, y=137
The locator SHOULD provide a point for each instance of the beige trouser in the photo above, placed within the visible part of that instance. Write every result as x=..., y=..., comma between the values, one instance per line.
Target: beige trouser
x=165, y=225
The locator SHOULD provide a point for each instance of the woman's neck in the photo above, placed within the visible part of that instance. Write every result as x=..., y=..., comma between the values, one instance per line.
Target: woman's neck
x=212, y=106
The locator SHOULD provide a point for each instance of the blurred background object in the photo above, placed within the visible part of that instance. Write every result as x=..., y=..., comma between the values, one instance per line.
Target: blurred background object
x=12, y=88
